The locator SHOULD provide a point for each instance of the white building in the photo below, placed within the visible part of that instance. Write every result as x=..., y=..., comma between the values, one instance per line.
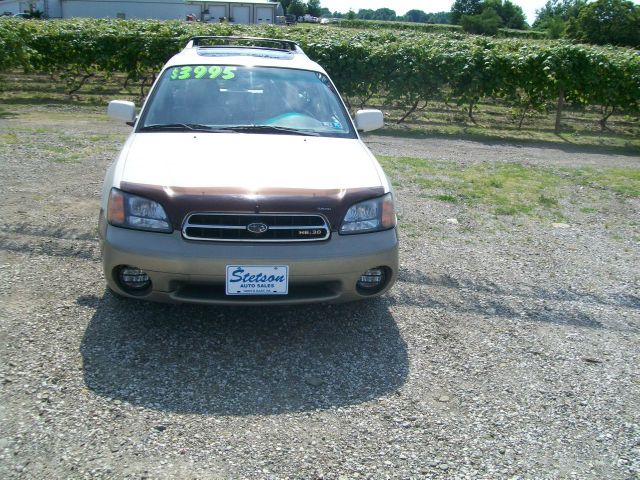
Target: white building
x=236, y=11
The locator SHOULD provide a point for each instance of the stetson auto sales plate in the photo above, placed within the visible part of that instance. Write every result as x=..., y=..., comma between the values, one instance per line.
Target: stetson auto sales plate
x=257, y=279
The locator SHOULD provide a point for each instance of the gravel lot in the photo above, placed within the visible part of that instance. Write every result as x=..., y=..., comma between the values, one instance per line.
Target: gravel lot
x=508, y=349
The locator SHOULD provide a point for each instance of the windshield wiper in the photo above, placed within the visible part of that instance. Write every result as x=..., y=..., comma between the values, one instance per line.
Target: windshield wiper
x=179, y=126
x=267, y=129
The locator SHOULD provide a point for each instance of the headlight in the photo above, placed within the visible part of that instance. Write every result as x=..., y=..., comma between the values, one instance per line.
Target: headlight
x=132, y=211
x=370, y=216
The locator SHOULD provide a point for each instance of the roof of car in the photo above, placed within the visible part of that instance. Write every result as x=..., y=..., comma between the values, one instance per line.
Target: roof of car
x=244, y=51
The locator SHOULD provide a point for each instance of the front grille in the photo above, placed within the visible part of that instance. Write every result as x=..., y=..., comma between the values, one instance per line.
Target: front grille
x=232, y=227
x=298, y=293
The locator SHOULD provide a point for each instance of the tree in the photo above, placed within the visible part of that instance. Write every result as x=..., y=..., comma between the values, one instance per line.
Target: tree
x=351, y=15
x=512, y=15
x=615, y=22
x=313, y=8
x=380, y=14
x=417, y=16
x=384, y=14
x=297, y=8
x=285, y=5
x=555, y=26
x=439, y=17
x=365, y=14
x=487, y=23
x=555, y=14
x=325, y=12
x=465, y=7
x=563, y=9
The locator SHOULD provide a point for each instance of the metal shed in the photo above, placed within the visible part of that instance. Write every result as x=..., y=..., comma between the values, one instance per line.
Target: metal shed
x=235, y=11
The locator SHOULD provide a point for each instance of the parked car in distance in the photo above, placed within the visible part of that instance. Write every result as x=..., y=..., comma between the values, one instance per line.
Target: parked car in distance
x=28, y=16
x=245, y=181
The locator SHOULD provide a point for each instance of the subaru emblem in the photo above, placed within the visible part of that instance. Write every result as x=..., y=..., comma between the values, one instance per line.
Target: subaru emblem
x=257, y=227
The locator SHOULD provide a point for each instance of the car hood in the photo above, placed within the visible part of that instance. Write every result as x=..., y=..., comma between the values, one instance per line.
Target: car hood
x=235, y=172
x=248, y=161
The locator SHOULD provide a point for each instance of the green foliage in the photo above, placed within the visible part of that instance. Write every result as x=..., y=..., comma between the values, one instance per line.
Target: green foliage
x=512, y=15
x=297, y=8
x=402, y=67
x=439, y=17
x=14, y=52
x=465, y=7
x=615, y=22
x=487, y=23
x=384, y=14
x=365, y=14
x=486, y=16
x=558, y=9
x=554, y=26
x=313, y=8
x=511, y=33
x=418, y=16
x=387, y=25
x=285, y=5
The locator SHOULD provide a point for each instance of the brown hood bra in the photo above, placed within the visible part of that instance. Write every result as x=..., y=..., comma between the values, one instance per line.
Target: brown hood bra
x=178, y=202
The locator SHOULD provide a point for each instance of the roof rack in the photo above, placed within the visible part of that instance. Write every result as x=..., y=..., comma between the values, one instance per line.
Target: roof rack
x=285, y=45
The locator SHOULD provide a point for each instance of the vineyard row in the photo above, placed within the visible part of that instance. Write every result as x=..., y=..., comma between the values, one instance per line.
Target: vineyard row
x=406, y=68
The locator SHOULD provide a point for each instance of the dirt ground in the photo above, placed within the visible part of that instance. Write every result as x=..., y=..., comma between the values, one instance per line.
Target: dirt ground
x=526, y=153
x=509, y=348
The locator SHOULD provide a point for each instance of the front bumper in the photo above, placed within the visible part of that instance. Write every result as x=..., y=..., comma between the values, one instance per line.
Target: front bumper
x=194, y=271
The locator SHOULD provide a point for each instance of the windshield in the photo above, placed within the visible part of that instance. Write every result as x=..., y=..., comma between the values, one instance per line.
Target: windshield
x=246, y=100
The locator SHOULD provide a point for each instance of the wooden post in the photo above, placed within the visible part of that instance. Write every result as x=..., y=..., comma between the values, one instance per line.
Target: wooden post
x=559, y=109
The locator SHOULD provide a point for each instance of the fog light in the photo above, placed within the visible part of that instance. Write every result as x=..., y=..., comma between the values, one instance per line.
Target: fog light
x=133, y=279
x=371, y=280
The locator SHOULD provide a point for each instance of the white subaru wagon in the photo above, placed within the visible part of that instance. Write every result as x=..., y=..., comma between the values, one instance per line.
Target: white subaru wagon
x=245, y=181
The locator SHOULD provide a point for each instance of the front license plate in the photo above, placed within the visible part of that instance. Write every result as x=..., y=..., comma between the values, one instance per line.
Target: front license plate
x=257, y=279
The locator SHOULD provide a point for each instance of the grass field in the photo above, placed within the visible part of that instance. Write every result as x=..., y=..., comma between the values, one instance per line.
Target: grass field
x=492, y=120
x=512, y=189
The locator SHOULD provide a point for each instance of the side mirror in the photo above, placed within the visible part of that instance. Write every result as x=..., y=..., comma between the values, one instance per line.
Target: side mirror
x=368, y=120
x=122, y=110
